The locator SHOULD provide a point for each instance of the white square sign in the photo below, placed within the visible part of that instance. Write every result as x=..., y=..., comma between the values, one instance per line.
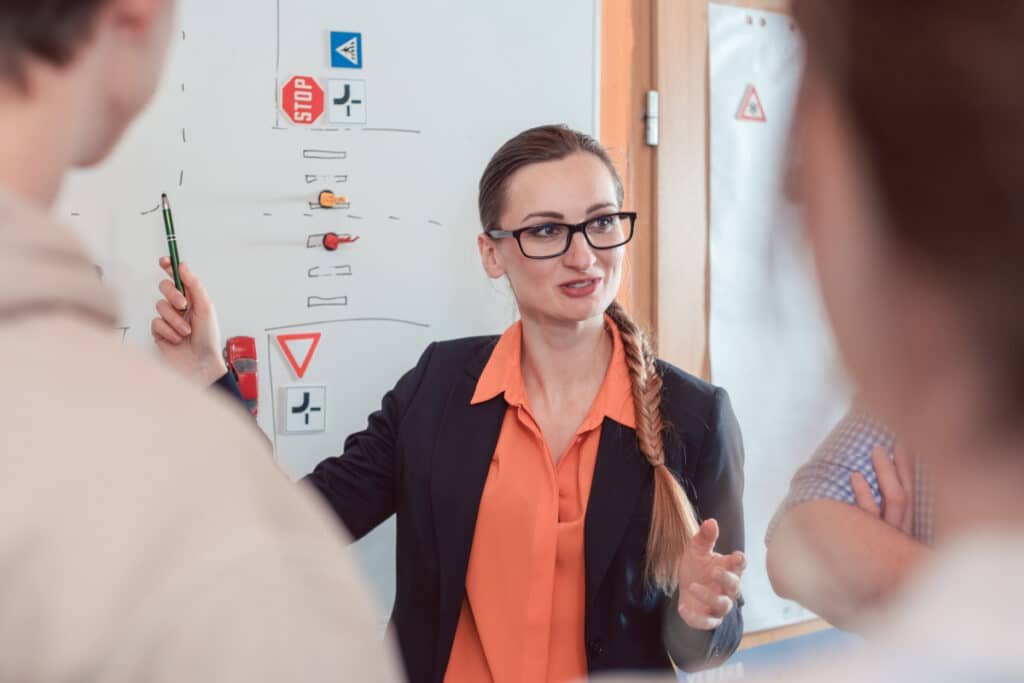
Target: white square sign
x=346, y=101
x=305, y=409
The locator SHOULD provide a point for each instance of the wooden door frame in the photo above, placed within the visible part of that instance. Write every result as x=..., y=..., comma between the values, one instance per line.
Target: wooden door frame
x=627, y=73
x=668, y=285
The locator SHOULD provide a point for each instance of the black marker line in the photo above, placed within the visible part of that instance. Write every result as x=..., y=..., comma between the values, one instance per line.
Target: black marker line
x=181, y=178
x=341, y=271
x=324, y=154
x=393, y=130
x=434, y=223
x=277, y=71
x=153, y=210
x=273, y=409
x=322, y=302
x=348, y=320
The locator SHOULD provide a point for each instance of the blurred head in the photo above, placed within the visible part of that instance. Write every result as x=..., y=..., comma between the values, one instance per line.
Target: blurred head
x=547, y=175
x=105, y=55
x=909, y=126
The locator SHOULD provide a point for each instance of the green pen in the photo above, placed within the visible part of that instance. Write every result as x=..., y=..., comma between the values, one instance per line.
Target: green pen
x=172, y=243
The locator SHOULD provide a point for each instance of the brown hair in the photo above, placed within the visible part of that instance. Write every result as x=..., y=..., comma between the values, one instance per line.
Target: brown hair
x=931, y=90
x=673, y=520
x=50, y=30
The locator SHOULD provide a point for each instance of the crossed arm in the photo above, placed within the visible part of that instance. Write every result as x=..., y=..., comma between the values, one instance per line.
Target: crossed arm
x=839, y=544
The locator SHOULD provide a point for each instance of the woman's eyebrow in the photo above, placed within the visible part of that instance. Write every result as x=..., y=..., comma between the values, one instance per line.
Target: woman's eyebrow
x=558, y=216
x=543, y=214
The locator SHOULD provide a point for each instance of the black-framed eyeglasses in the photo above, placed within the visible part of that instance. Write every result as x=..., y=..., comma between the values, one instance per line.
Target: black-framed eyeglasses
x=551, y=240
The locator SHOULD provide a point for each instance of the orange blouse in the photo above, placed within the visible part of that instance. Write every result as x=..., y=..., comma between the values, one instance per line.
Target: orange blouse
x=523, y=615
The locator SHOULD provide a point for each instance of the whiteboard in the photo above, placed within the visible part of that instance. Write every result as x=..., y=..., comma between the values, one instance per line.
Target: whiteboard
x=769, y=342
x=444, y=83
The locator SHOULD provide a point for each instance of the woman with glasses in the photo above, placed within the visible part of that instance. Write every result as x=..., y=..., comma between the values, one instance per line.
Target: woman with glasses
x=549, y=484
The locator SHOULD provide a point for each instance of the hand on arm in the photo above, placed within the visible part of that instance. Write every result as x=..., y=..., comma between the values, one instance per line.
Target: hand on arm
x=896, y=483
x=839, y=560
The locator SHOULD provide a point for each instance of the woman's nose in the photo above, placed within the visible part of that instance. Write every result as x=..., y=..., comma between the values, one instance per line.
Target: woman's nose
x=580, y=255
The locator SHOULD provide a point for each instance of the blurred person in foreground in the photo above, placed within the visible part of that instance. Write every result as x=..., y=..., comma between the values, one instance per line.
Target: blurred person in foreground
x=910, y=125
x=139, y=540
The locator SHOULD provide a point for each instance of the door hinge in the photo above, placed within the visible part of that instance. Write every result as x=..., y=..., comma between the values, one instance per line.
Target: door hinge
x=651, y=118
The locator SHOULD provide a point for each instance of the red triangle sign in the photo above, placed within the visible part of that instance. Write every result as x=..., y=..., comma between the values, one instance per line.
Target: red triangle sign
x=285, y=339
x=751, y=109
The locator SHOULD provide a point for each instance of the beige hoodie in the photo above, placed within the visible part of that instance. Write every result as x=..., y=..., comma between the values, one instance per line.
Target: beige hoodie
x=145, y=532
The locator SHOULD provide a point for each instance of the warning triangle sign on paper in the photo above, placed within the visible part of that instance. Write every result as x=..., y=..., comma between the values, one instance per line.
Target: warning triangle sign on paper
x=301, y=345
x=751, y=109
x=350, y=50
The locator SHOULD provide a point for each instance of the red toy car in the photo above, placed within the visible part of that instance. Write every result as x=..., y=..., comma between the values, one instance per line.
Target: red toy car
x=240, y=355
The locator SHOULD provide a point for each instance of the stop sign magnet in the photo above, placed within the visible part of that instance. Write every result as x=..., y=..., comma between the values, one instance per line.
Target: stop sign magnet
x=302, y=100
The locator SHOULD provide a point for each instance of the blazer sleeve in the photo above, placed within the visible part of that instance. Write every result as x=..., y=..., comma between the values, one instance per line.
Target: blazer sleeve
x=718, y=485
x=359, y=485
x=229, y=385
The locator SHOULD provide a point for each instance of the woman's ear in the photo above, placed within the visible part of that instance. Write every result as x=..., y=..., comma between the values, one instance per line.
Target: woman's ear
x=489, y=256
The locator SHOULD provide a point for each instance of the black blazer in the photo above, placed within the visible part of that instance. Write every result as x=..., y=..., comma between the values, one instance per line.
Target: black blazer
x=425, y=455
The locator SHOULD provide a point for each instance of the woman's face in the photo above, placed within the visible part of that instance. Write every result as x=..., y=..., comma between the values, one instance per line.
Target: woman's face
x=581, y=283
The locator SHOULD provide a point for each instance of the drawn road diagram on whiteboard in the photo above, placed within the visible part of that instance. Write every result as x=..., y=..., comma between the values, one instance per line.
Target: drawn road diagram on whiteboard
x=313, y=177
x=320, y=301
x=325, y=154
x=329, y=271
x=335, y=101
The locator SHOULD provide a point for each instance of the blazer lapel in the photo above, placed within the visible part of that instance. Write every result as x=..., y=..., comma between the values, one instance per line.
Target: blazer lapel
x=619, y=477
x=461, y=461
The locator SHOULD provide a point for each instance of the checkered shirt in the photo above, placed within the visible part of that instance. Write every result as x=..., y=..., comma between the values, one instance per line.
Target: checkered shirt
x=826, y=476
